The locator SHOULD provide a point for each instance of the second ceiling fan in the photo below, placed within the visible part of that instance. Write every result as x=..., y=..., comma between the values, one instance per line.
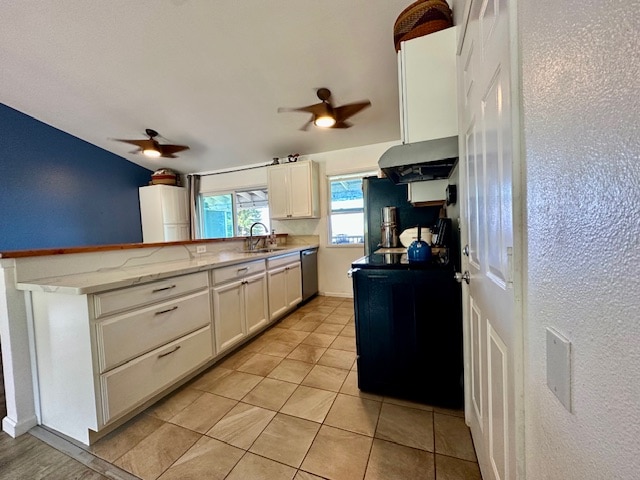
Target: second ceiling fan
x=325, y=115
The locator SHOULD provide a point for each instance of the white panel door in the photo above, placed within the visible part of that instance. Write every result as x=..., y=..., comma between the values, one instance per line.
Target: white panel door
x=300, y=187
x=228, y=315
x=294, y=284
x=255, y=300
x=492, y=351
x=277, y=286
x=278, y=187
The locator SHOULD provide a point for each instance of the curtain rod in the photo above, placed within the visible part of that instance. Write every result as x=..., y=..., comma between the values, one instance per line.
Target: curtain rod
x=228, y=171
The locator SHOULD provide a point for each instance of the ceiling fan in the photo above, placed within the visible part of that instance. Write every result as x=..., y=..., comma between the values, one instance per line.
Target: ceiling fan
x=325, y=115
x=151, y=148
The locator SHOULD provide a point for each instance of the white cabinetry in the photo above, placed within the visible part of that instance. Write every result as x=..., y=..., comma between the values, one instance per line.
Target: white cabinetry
x=293, y=190
x=427, y=84
x=239, y=302
x=165, y=213
x=284, y=277
x=102, y=356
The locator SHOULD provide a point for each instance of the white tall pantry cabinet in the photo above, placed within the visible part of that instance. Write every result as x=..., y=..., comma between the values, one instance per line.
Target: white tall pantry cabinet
x=165, y=213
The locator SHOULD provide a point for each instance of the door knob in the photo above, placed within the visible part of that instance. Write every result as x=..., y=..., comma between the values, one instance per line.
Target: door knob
x=462, y=276
x=465, y=250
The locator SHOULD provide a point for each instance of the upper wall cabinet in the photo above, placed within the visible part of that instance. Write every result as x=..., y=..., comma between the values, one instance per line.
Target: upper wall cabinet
x=293, y=190
x=427, y=84
x=165, y=214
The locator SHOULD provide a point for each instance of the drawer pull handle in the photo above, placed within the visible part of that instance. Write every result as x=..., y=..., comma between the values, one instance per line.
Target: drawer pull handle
x=176, y=348
x=167, y=310
x=243, y=269
x=156, y=290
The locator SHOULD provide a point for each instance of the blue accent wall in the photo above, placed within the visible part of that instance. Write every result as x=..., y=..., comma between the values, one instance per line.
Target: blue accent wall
x=59, y=191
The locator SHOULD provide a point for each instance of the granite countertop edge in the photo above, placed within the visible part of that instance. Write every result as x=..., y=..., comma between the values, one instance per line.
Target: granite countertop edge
x=120, y=277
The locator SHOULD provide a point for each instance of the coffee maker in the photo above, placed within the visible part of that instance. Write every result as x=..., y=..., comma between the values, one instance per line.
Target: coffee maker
x=389, y=227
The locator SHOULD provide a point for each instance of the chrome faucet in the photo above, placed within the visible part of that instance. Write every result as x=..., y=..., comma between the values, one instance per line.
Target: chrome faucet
x=252, y=246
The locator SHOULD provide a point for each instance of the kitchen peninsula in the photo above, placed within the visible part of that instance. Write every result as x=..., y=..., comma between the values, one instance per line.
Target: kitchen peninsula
x=113, y=329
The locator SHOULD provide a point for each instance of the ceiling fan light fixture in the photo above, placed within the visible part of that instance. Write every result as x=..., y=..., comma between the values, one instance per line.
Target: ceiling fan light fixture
x=152, y=152
x=324, y=121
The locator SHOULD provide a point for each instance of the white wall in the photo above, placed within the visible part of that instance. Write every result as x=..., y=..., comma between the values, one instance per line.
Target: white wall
x=580, y=71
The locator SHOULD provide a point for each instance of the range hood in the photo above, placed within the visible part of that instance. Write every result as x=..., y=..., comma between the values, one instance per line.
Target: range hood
x=420, y=161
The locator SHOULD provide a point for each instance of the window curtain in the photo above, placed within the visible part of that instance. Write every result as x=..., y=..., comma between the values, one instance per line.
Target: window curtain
x=193, y=186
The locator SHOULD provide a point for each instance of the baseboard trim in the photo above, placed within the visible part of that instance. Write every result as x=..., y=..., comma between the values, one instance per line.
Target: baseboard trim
x=15, y=429
x=336, y=294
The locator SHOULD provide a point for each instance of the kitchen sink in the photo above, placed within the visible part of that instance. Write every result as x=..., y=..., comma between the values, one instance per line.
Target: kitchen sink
x=264, y=250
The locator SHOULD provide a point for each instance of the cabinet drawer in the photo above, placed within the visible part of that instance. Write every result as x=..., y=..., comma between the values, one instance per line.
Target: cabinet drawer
x=126, y=336
x=131, y=297
x=279, y=261
x=234, y=272
x=133, y=383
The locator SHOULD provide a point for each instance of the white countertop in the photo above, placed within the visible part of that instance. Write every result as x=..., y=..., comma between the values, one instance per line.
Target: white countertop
x=119, y=277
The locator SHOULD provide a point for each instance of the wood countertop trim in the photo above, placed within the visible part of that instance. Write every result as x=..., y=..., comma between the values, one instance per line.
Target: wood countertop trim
x=122, y=246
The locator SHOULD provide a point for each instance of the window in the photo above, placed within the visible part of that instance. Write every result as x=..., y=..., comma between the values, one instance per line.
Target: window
x=224, y=215
x=346, y=209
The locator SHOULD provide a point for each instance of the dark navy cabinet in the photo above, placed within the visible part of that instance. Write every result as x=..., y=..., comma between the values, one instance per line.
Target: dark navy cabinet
x=409, y=334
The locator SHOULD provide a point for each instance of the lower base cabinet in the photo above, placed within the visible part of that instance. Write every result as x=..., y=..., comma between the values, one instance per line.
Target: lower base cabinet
x=103, y=357
x=239, y=303
x=284, y=278
x=91, y=370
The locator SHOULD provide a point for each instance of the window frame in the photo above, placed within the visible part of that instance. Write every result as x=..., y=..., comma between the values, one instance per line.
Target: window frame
x=330, y=212
x=234, y=208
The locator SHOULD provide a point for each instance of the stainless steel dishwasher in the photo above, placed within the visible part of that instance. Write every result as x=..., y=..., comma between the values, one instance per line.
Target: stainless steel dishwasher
x=309, y=261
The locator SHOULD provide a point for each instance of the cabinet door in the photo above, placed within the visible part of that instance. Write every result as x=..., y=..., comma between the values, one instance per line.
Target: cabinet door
x=174, y=232
x=278, y=188
x=174, y=205
x=303, y=191
x=300, y=189
x=278, y=304
x=228, y=315
x=255, y=292
x=428, y=86
x=294, y=284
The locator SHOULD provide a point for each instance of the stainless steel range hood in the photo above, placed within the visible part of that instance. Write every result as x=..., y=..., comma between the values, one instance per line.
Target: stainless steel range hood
x=416, y=162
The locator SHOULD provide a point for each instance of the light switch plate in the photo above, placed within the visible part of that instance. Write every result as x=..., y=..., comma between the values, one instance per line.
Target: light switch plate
x=559, y=366
x=201, y=249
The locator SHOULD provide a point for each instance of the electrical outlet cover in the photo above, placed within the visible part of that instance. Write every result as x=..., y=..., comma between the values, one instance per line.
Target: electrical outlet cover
x=201, y=249
x=559, y=367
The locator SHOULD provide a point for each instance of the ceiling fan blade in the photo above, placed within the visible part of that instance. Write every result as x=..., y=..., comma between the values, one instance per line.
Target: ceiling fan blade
x=345, y=111
x=140, y=143
x=342, y=124
x=316, y=109
x=171, y=149
x=305, y=127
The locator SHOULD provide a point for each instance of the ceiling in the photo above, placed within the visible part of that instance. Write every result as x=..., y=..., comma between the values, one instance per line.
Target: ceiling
x=210, y=74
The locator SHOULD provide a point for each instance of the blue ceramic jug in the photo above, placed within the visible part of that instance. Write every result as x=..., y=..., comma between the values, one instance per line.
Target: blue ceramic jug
x=419, y=250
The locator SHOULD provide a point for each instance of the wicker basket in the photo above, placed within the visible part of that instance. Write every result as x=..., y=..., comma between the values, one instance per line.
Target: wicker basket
x=421, y=18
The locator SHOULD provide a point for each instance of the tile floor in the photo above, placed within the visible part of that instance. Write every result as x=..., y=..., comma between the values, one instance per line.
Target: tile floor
x=287, y=406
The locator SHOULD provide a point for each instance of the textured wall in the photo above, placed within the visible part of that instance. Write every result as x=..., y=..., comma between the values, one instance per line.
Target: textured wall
x=57, y=190
x=580, y=74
